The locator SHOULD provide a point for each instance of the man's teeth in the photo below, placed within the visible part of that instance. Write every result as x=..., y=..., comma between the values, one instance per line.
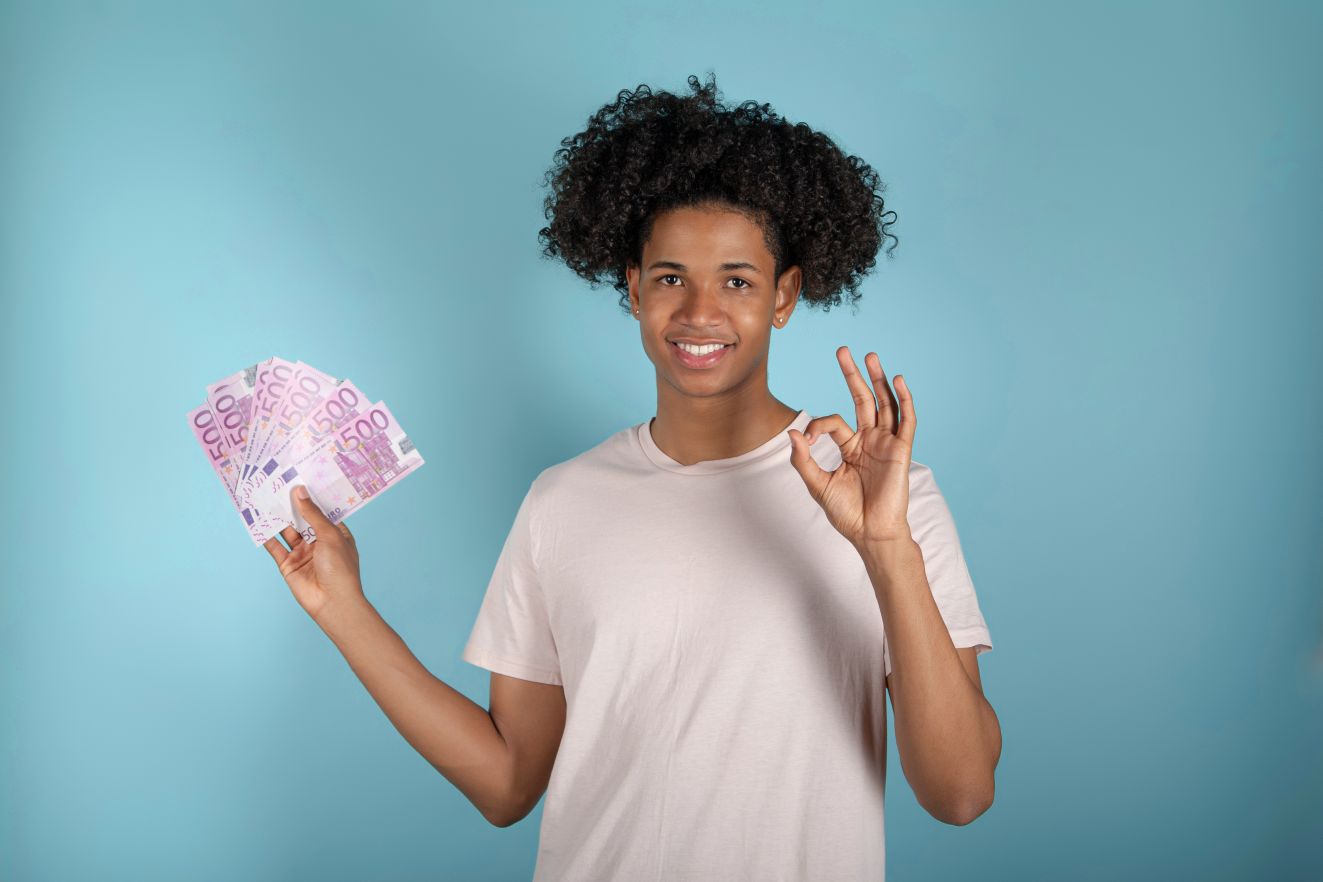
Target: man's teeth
x=701, y=350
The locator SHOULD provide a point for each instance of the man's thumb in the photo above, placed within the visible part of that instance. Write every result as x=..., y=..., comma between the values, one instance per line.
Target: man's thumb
x=311, y=513
x=815, y=476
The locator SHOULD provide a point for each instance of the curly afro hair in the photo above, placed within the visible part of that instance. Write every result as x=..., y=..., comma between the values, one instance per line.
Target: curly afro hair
x=652, y=151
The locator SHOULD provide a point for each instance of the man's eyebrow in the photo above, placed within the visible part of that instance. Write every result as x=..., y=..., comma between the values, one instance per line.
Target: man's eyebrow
x=725, y=267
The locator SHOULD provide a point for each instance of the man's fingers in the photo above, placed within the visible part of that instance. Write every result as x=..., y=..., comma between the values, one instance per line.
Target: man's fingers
x=276, y=550
x=908, y=421
x=344, y=531
x=292, y=537
x=889, y=413
x=834, y=425
x=865, y=405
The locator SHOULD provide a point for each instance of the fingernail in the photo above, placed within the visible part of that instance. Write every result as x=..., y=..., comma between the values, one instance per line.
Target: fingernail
x=301, y=492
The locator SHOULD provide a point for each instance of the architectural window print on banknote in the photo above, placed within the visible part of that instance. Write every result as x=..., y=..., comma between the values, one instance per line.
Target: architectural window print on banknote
x=280, y=424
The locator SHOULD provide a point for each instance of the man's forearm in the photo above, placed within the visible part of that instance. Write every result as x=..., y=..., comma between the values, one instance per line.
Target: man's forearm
x=946, y=731
x=453, y=733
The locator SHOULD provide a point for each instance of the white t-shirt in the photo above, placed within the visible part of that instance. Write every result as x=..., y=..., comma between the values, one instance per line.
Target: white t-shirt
x=723, y=659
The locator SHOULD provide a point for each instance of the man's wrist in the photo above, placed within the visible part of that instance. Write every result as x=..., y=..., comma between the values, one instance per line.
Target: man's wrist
x=341, y=618
x=889, y=555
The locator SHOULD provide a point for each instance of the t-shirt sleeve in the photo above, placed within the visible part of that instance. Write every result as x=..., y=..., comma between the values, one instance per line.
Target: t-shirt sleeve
x=512, y=634
x=934, y=530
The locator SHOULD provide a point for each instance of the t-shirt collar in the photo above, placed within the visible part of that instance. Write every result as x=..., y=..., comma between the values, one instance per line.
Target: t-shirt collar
x=778, y=442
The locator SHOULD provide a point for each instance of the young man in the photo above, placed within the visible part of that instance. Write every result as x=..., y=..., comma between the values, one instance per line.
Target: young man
x=691, y=626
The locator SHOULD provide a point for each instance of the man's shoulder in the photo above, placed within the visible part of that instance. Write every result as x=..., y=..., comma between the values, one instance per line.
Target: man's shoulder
x=613, y=458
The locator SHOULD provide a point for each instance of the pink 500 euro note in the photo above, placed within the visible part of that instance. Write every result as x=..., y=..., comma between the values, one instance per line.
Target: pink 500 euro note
x=346, y=471
x=322, y=434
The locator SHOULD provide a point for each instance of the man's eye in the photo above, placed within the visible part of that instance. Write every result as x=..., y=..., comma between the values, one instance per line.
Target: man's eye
x=743, y=284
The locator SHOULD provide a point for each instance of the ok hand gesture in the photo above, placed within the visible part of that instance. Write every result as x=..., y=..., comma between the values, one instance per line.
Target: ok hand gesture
x=867, y=497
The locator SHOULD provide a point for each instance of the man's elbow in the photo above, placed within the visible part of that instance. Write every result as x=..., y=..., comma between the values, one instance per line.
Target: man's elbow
x=510, y=813
x=963, y=811
x=501, y=821
x=507, y=819
x=967, y=814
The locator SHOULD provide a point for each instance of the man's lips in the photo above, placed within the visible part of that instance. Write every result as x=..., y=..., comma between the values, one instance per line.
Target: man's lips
x=699, y=361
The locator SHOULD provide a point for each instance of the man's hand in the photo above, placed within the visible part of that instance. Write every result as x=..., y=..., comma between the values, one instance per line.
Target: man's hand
x=322, y=573
x=867, y=497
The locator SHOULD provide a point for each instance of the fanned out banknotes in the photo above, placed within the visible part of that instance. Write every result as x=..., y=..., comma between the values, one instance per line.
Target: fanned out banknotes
x=279, y=424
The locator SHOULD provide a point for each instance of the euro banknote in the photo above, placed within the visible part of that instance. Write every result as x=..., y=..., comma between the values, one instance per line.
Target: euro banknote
x=278, y=424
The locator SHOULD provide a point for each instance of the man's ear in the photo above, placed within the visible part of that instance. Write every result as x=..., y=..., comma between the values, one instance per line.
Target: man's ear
x=631, y=280
x=787, y=289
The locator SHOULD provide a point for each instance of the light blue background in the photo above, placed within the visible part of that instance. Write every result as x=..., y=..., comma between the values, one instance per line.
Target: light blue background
x=1106, y=293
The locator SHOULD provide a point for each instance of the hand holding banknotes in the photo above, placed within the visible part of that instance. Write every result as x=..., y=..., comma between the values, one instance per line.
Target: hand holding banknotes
x=277, y=424
x=322, y=574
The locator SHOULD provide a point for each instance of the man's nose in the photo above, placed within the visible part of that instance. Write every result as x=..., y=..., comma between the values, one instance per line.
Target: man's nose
x=701, y=305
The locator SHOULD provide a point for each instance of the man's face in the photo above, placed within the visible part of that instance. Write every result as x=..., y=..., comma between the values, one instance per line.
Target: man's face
x=706, y=277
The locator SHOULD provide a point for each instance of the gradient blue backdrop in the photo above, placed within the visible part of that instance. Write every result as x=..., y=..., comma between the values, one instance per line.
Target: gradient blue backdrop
x=1106, y=294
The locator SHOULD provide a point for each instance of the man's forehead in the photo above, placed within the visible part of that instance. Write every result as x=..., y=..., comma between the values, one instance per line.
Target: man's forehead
x=723, y=267
x=704, y=244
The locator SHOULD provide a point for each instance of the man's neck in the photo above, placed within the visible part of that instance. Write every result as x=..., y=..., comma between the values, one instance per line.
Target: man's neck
x=694, y=430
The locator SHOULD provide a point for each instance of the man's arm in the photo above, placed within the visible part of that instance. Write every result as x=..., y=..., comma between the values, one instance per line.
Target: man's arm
x=500, y=760
x=531, y=718
x=947, y=733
